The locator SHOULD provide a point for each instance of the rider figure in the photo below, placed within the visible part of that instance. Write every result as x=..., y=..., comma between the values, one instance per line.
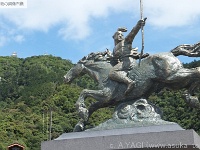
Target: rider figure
x=126, y=55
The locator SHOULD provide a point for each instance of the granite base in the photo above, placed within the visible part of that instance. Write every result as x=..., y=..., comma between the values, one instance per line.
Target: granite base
x=151, y=137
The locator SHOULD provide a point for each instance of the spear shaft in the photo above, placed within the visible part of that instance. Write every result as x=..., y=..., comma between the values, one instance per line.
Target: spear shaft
x=142, y=31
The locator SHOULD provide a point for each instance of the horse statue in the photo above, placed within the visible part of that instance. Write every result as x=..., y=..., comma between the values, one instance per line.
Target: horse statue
x=155, y=72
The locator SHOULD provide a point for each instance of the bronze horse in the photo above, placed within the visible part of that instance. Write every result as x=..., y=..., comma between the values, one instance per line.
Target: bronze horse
x=155, y=72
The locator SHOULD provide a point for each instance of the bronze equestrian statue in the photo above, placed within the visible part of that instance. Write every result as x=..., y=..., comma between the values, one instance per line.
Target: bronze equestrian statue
x=120, y=79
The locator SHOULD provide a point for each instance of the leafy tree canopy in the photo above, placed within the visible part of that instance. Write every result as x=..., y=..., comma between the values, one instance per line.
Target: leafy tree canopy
x=32, y=89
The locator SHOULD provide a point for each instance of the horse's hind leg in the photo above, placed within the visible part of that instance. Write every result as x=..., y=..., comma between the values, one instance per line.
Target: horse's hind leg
x=183, y=77
x=99, y=95
x=93, y=107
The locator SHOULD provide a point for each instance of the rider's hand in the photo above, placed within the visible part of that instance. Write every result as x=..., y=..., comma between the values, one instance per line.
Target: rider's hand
x=142, y=22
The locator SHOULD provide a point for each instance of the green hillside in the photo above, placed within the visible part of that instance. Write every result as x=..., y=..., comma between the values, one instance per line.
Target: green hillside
x=32, y=89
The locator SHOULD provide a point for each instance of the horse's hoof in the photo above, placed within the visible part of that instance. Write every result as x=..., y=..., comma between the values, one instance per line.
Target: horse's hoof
x=78, y=127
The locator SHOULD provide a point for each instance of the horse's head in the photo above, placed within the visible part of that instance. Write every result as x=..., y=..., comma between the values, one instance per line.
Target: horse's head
x=73, y=73
x=95, y=65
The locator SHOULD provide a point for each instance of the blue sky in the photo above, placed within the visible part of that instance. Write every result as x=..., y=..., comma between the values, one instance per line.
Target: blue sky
x=73, y=29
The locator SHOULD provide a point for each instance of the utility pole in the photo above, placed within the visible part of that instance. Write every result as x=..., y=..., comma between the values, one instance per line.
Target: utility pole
x=47, y=126
x=50, y=126
x=43, y=130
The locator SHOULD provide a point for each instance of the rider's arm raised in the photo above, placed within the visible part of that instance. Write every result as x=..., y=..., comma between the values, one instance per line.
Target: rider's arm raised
x=130, y=37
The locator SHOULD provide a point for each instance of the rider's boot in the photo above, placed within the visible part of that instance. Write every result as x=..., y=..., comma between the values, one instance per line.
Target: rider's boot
x=121, y=77
x=130, y=85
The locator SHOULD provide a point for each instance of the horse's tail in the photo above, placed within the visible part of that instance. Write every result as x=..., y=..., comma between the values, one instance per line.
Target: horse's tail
x=190, y=50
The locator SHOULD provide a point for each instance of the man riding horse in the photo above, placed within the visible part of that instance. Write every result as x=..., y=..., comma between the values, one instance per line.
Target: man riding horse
x=125, y=55
x=152, y=75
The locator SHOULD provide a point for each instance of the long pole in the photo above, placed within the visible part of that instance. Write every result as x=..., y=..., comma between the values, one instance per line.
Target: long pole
x=43, y=124
x=47, y=126
x=142, y=31
x=50, y=126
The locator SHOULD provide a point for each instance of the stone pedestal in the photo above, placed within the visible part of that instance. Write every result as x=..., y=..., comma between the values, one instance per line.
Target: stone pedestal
x=159, y=137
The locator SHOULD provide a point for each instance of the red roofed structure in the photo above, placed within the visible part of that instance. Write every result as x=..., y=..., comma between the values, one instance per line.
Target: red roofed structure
x=16, y=146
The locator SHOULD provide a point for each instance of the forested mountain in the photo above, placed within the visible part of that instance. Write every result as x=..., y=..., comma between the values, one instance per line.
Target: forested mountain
x=32, y=89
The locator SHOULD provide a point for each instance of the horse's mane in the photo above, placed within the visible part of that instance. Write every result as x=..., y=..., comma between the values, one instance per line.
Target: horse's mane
x=94, y=56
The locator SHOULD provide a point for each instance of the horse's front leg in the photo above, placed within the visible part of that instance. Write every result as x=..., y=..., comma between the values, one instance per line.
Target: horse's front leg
x=99, y=95
x=81, y=107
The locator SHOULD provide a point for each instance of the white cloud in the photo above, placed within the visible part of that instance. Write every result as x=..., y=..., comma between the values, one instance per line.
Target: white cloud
x=9, y=33
x=19, y=38
x=172, y=13
x=3, y=40
x=74, y=16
